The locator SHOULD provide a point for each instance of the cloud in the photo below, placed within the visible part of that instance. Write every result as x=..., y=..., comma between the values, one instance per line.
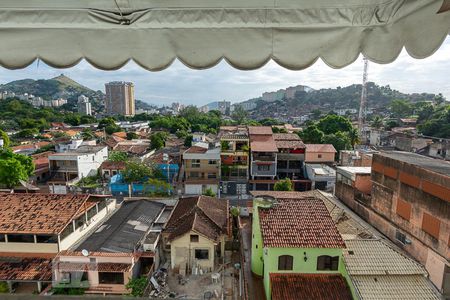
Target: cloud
x=180, y=83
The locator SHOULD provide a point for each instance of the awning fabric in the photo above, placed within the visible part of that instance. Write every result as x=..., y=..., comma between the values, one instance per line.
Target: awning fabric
x=200, y=33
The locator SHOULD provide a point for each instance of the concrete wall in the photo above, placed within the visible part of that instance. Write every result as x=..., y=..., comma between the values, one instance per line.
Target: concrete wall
x=363, y=183
x=182, y=252
x=313, y=157
x=197, y=189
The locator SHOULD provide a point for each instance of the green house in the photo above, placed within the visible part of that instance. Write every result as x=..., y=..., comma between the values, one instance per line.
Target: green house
x=297, y=249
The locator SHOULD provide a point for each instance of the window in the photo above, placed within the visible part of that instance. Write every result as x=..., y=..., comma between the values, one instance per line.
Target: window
x=2, y=238
x=194, y=238
x=201, y=253
x=212, y=175
x=20, y=238
x=295, y=164
x=212, y=162
x=400, y=237
x=325, y=262
x=47, y=239
x=65, y=277
x=285, y=262
x=67, y=231
x=431, y=225
x=319, y=155
x=101, y=205
x=282, y=164
x=263, y=168
x=91, y=212
x=195, y=163
x=80, y=221
x=403, y=209
x=194, y=174
x=110, y=278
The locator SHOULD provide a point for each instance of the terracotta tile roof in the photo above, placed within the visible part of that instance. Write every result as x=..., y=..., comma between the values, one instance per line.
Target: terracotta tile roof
x=41, y=161
x=120, y=134
x=206, y=215
x=295, y=286
x=299, y=223
x=326, y=148
x=196, y=149
x=285, y=195
x=158, y=158
x=260, y=130
x=262, y=143
x=38, y=213
x=25, y=269
x=113, y=141
x=288, y=141
x=133, y=149
x=112, y=165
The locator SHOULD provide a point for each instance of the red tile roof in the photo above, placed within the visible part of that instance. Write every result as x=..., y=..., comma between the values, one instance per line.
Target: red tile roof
x=38, y=213
x=288, y=141
x=295, y=286
x=25, y=269
x=133, y=148
x=260, y=130
x=262, y=143
x=285, y=195
x=326, y=148
x=207, y=216
x=196, y=149
x=299, y=223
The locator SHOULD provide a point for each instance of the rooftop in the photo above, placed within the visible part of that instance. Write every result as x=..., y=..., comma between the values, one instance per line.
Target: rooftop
x=260, y=130
x=113, y=165
x=302, y=222
x=352, y=171
x=288, y=141
x=207, y=216
x=25, y=268
x=38, y=213
x=123, y=231
x=434, y=165
x=298, y=286
x=81, y=150
x=326, y=148
x=262, y=143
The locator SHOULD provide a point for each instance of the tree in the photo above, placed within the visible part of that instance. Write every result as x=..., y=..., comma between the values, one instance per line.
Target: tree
x=157, y=187
x=353, y=136
x=106, y=122
x=377, y=122
x=333, y=123
x=5, y=139
x=26, y=133
x=316, y=113
x=132, y=135
x=88, y=134
x=110, y=129
x=239, y=114
x=158, y=140
x=401, y=108
x=14, y=167
x=118, y=156
x=137, y=172
x=311, y=135
x=391, y=124
x=73, y=119
x=137, y=286
x=339, y=140
x=209, y=192
x=188, y=141
x=283, y=185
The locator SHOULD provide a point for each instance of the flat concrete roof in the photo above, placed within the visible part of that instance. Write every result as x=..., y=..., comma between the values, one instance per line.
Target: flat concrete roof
x=356, y=170
x=428, y=163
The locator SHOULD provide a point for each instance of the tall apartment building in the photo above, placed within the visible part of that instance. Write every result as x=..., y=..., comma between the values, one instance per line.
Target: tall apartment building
x=120, y=98
x=234, y=159
x=84, y=106
x=410, y=203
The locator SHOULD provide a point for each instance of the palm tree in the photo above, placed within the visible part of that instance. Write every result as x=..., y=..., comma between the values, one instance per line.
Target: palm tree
x=377, y=122
x=353, y=135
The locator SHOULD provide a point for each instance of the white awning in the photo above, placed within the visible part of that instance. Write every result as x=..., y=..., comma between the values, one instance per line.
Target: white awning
x=200, y=33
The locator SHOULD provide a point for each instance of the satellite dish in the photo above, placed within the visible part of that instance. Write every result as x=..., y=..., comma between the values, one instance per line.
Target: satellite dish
x=85, y=252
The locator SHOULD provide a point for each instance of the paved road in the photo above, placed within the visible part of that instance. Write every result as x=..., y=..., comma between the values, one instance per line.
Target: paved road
x=255, y=284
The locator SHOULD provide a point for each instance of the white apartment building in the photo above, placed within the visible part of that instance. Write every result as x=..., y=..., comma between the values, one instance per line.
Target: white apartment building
x=67, y=168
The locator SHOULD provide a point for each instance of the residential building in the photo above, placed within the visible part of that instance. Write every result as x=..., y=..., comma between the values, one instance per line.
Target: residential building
x=120, y=98
x=201, y=170
x=66, y=168
x=297, y=248
x=196, y=233
x=263, y=153
x=84, y=106
x=291, y=158
x=41, y=167
x=322, y=176
x=320, y=153
x=356, y=158
x=234, y=159
x=410, y=204
x=111, y=168
x=378, y=271
x=345, y=111
x=125, y=246
x=35, y=227
x=353, y=184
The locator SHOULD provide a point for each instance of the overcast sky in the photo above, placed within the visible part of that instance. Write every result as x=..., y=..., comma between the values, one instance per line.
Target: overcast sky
x=222, y=82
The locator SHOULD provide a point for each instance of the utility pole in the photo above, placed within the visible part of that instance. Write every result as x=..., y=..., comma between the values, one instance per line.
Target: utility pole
x=362, y=104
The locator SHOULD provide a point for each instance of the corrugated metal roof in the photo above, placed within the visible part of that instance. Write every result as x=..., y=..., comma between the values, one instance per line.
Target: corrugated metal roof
x=374, y=257
x=398, y=287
